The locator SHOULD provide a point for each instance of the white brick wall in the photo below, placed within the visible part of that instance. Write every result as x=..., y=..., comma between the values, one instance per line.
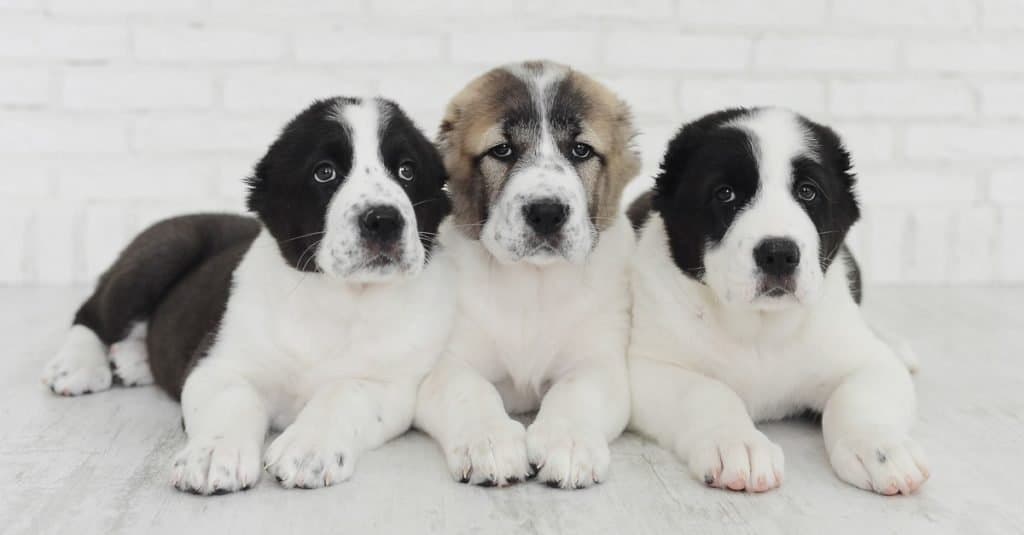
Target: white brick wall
x=115, y=113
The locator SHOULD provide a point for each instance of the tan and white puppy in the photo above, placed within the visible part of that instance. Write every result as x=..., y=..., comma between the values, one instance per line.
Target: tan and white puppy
x=538, y=155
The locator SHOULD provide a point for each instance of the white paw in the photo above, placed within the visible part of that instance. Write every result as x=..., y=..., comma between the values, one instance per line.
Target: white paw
x=566, y=457
x=216, y=465
x=884, y=463
x=80, y=367
x=491, y=456
x=737, y=460
x=131, y=362
x=310, y=458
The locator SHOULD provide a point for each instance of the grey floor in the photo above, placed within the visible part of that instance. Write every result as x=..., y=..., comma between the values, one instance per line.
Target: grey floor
x=99, y=464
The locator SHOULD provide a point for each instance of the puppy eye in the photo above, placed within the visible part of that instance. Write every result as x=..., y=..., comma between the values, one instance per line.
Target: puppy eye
x=502, y=151
x=406, y=171
x=807, y=192
x=324, y=172
x=725, y=194
x=582, y=151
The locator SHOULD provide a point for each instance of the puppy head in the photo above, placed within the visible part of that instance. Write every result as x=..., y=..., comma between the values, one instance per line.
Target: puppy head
x=351, y=189
x=538, y=155
x=756, y=204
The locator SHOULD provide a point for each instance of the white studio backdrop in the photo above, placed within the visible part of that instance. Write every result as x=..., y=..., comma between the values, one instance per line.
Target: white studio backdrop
x=114, y=113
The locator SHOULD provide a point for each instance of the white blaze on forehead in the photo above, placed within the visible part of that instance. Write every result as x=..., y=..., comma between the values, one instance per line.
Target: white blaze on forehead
x=541, y=83
x=362, y=121
x=777, y=137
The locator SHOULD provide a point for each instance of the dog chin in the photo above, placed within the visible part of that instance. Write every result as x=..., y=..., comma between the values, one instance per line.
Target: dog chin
x=379, y=268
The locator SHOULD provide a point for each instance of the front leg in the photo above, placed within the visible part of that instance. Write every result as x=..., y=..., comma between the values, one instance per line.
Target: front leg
x=866, y=423
x=226, y=421
x=464, y=413
x=342, y=420
x=580, y=414
x=706, y=423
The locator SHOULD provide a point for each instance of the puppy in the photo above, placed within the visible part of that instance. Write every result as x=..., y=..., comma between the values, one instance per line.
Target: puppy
x=320, y=316
x=537, y=155
x=746, y=308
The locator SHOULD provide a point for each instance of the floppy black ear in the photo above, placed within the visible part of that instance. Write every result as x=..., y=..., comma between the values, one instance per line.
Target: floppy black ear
x=682, y=147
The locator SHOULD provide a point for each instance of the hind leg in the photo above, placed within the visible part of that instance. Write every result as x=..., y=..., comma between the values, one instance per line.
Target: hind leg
x=80, y=366
x=130, y=358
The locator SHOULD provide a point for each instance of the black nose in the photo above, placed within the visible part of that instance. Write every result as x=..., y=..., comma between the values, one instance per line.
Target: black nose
x=381, y=224
x=777, y=256
x=546, y=216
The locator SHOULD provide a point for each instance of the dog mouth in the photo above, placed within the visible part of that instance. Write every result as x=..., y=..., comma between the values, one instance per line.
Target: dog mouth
x=776, y=287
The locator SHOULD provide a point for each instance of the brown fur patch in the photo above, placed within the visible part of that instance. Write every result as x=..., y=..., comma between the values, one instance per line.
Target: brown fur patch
x=485, y=103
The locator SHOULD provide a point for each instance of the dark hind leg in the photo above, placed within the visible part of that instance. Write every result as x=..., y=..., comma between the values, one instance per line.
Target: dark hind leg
x=115, y=315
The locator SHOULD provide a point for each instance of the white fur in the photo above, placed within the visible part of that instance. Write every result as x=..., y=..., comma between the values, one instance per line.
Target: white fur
x=707, y=361
x=341, y=252
x=551, y=337
x=80, y=366
x=131, y=359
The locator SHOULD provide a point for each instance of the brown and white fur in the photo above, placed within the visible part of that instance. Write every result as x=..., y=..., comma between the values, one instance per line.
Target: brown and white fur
x=537, y=156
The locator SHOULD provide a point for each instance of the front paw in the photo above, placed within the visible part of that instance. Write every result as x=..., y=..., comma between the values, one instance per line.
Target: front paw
x=217, y=465
x=737, y=460
x=493, y=455
x=884, y=463
x=310, y=458
x=567, y=457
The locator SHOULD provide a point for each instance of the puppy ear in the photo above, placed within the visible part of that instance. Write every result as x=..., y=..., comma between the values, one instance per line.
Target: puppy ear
x=681, y=148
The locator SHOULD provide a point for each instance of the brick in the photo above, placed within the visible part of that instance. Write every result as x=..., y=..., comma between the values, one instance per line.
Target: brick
x=885, y=233
x=54, y=243
x=1011, y=254
x=26, y=177
x=1006, y=185
x=288, y=7
x=646, y=95
x=492, y=48
x=974, y=261
x=966, y=56
x=698, y=97
x=730, y=13
x=134, y=178
x=904, y=99
x=14, y=226
x=184, y=43
x=202, y=133
x=929, y=236
x=635, y=9
x=444, y=8
x=867, y=142
x=24, y=85
x=964, y=143
x=825, y=54
x=46, y=134
x=431, y=93
x=101, y=88
x=286, y=90
x=652, y=142
x=45, y=38
x=106, y=232
x=674, y=51
x=929, y=14
x=915, y=186
x=21, y=5
x=367, y=46
x=1002, y=14
x=1002, y=99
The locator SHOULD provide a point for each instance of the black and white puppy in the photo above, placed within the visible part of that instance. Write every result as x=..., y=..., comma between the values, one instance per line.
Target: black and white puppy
x=746, y=308
x=320, y=316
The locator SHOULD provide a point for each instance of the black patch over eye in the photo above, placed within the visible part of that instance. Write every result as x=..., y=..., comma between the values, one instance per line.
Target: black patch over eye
x=725, y=194
x=324, y=172
x=806, y=192
x=501, y=152
x=582, y=151
x=407, y=171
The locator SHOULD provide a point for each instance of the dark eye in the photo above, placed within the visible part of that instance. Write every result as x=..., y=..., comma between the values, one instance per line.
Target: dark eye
x=502, y=151
x=406, y=171
x=725, y=194
x=324, y=172
x=807, y=192
x=582, y=151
